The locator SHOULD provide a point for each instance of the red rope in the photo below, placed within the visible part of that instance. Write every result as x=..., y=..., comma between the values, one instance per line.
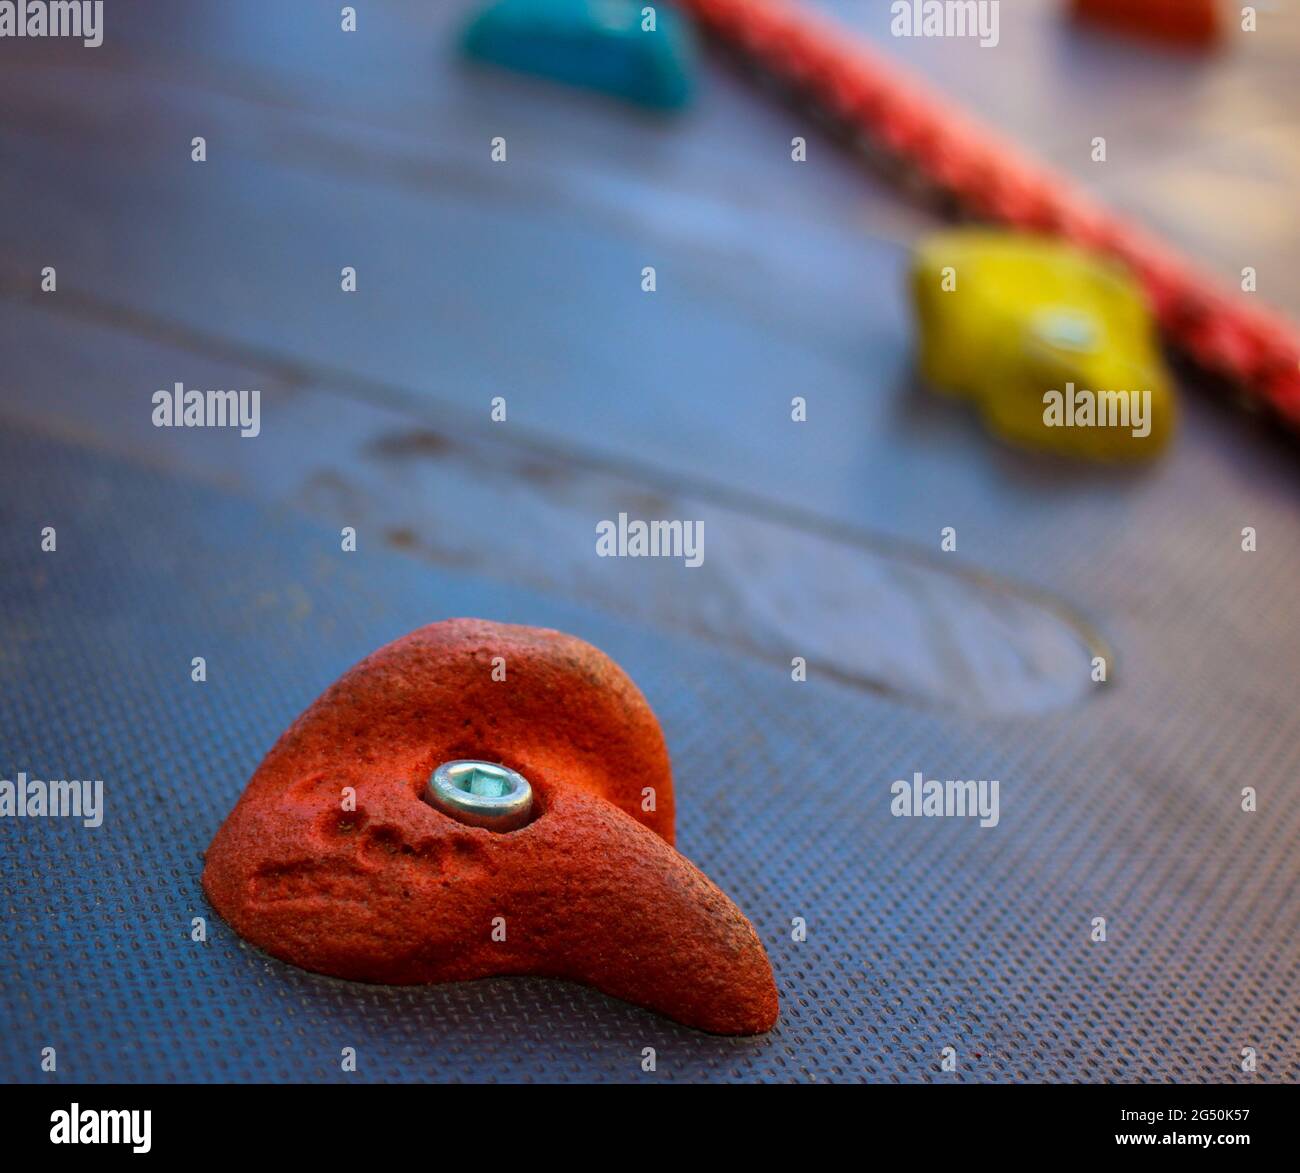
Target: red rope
x=991, y=179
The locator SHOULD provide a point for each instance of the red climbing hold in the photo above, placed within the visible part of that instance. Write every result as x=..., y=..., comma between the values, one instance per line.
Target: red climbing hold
x=382, y=886
x=1186, y=22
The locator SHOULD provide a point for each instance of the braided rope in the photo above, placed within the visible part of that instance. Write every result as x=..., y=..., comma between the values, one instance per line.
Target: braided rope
x=991, y=179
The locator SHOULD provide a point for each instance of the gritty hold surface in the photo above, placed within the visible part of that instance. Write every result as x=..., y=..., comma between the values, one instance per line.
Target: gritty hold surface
x=396, y=891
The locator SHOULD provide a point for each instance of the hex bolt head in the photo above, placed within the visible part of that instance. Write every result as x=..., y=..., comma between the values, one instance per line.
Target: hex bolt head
x=481, y=794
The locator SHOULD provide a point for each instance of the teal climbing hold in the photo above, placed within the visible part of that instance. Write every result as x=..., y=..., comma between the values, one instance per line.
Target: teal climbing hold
x=640, y=51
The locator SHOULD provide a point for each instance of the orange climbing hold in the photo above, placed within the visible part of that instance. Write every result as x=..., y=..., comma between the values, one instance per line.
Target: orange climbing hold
x=1186, y=22
x=335, y=859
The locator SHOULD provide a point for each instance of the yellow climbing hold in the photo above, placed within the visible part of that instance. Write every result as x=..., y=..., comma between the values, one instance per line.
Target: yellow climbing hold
x=1056, y=346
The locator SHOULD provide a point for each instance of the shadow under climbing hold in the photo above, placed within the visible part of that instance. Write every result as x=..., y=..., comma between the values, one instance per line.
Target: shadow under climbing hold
x=1056, y=346
x=481, y=799
x=641, y=53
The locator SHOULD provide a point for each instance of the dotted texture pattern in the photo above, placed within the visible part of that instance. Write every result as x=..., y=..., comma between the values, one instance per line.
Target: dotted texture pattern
x=922, y=934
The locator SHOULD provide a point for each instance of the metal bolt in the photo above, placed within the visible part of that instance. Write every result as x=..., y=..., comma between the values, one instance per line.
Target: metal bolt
x=481, y=794
x=1068, y=330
